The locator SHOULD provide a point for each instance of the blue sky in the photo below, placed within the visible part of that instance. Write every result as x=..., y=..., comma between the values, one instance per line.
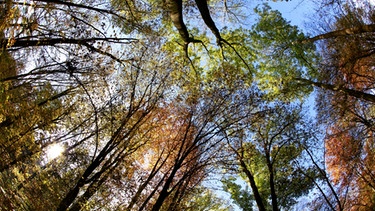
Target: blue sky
x=295, y=11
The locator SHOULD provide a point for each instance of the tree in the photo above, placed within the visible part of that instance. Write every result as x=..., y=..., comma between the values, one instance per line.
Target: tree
x=141, y=91
x=243, y=198
x=267, y=155
x=143, y=121
x=278, y=58
x=61, y=97
x=204, y=200
x=198, y=143
x=347, y=117
x=27, y=109
x=288, y=64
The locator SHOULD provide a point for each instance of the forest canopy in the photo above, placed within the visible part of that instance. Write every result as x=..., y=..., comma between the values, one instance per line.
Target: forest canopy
x=186, y=105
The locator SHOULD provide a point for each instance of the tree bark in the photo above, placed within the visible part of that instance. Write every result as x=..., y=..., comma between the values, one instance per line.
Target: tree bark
x=73, y=193
x=254, y=187
x=164, y=192
x=175, y=12
x=272, y=183
x=91, y=190
x=206, y=16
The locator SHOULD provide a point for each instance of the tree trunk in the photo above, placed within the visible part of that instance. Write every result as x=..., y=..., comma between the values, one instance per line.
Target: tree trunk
x=206, y=16
x=350, y=92
x=108, y=148
x=175, y=12
x=91, y=190
x=257, y=196
x=272, y=183
x=152, y=174
x=73, y=193
x=165, y=192
x=342, y=32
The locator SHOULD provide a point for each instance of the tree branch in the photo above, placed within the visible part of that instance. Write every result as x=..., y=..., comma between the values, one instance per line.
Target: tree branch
x=343, y=32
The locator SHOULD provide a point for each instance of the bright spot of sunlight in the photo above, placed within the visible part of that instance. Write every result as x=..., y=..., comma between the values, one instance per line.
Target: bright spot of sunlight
x=54, y=151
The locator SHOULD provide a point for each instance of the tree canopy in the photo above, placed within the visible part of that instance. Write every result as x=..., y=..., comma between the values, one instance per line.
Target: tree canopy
x=185, y=105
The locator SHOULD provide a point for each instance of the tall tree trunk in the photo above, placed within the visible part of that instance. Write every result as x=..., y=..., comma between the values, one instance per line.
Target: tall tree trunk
x=206, y=16
x=73, y=193
x=254, y=187
x=152, y=174
x=108, y=148
x=329, y=184
x=91, y=190
x=175, y=12
x=272, y=183
x=164, y=192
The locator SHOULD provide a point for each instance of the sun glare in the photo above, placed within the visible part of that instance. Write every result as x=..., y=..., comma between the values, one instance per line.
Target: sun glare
x=54, y=151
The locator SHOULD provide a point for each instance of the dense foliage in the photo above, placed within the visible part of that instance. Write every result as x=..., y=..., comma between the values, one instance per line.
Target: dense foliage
x=177, y=105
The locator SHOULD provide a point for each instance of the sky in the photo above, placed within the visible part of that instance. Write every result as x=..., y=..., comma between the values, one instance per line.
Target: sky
x=299, y=11
x=295, y=11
